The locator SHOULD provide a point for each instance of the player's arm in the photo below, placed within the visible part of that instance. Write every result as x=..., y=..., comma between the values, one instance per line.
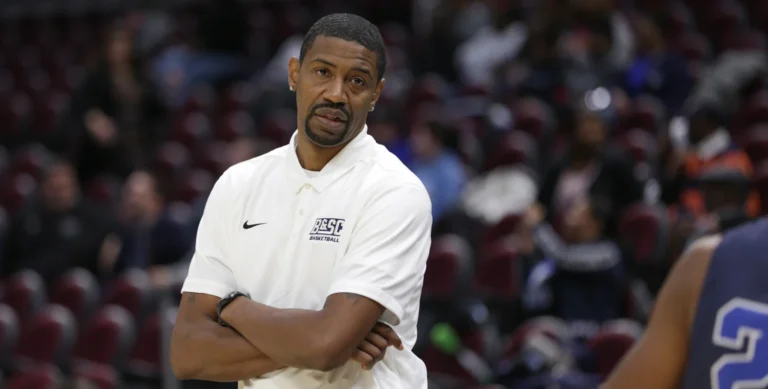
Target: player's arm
x=381, y=272
x=204, y=350
x=200, y=347
x=658, y=359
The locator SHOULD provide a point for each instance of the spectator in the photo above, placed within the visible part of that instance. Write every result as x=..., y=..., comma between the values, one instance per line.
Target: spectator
x=479, y=57
x=439, y=168
x=118, y=112
x=589, y=169
x=151, y=238
x=584, y=265
x=598, y=47
x=711, y=147
x=59, y=231
x=657, y=70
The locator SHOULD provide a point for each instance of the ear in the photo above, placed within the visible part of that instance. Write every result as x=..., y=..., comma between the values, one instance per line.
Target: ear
x=377, y=92
x=294, y=66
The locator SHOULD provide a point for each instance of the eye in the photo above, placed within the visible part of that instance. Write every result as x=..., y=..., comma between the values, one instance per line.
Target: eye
x=358, y=81
x=322, y=72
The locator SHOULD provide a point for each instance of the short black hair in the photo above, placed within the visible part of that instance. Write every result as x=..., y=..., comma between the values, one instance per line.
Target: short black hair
x=351, y=28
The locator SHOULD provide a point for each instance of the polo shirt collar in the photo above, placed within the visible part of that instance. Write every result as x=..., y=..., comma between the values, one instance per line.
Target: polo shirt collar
x=335, y=168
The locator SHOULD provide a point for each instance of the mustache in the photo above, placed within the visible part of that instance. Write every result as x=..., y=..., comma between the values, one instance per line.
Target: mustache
x=338, y=106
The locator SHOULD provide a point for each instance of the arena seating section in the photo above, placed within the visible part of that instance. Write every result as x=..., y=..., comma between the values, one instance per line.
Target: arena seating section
x=116, y=333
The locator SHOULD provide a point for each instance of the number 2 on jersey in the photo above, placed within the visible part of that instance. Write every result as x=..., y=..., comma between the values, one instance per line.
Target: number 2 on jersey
x=741, y=324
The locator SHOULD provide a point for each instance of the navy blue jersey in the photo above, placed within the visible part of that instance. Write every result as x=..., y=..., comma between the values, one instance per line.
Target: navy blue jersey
x=729, y=337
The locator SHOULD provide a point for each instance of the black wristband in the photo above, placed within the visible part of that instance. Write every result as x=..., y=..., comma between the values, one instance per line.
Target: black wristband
x=224, y=302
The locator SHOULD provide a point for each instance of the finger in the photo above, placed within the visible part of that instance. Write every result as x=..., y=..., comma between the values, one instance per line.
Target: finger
x=362, y=358
x=374, y=353
x=389, y=334
x=377, y=340
x=370, y=349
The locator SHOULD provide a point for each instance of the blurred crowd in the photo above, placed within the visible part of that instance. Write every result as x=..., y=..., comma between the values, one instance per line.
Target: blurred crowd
x=572, y=149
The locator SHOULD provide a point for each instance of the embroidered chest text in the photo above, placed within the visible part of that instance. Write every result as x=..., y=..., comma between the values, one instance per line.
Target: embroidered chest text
x=326, y=230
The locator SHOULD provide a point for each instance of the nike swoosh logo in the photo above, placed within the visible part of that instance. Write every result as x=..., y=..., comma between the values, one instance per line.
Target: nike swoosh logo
x=247, y=226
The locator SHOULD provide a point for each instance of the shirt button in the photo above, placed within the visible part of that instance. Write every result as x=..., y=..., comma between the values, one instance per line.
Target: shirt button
x=301, y=212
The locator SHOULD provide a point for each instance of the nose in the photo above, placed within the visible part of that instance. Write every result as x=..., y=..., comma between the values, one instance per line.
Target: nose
x=335, y=92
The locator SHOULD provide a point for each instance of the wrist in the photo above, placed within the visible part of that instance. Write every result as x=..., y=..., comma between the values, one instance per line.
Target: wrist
x=224, y=307
x=227, y=313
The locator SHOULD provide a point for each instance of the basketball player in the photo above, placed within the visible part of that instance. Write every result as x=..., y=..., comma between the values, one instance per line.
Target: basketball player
x=313, y=254
x=709, y=328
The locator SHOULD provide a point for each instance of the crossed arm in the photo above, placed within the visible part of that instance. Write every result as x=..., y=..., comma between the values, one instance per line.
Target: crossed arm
x=203, y=349
x=317, y=340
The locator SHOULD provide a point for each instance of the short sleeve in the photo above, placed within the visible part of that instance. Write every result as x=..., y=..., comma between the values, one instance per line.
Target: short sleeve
x=209, y=271
x=388, y=250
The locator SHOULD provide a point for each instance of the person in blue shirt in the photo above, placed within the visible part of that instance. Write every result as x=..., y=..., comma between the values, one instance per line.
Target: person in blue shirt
x=437, y=166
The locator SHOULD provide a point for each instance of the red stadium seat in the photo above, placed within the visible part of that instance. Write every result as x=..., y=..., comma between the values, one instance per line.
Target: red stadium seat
x=554, y=328
x=77, y=290
x=645, y=113
x=693, y=46
x=447, y=366
x=202, y=99
x=279, y=126
x=15, y=190
x=234, y=125
x=48, y=337
x=31, y=160
x=754, y=113
x=195, y=184
x=212, y=157
x=192, y=129
x=172, y=158
x=146, y=356
x=96, y=376
x=235, y=98
x=645, y=229
x=760, y=179
x=641, y=145
x=679, y=19
x=107, y=338
x=756, y=144
x=534, y=117
x=25, y=293
x=132, y=292
x=48, y=111
x=517, y=147
x=104, y=190
x=9, y=334
x=499, y=273
x=449, y=268
x=624, y=326
x=506, y=226
x=609, y=348
x=745, y=40
x=37, y=377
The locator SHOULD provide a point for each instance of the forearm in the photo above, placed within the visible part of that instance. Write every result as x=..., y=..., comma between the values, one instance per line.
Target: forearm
x=211, y=352
x=293, y=337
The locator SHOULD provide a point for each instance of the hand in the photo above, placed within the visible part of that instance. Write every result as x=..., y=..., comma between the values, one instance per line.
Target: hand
x=534, y=215
x=374, y=346
x=100, y=126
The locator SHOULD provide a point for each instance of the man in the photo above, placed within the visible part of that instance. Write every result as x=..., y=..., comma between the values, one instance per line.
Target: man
x=60, y=230
x=709, y=323
x=327, y=235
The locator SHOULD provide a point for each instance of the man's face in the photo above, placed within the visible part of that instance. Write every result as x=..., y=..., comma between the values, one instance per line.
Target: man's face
x=590, y=131
x=59, y=188
x=336, y=85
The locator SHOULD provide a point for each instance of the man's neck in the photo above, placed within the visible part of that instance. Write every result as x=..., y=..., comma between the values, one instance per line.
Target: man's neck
x=313, y=157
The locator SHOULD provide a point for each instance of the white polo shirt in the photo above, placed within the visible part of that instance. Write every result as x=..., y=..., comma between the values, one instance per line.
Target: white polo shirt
x=361, y=225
